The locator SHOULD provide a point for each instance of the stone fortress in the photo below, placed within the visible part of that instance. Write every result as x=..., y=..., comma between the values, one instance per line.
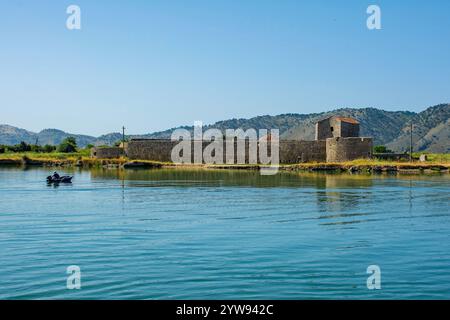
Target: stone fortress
x=337, y=140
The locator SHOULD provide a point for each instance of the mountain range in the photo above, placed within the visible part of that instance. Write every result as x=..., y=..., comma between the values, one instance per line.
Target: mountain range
x=431, y=129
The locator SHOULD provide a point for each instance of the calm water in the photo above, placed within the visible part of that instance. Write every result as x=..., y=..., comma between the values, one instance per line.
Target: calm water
x=223, y=234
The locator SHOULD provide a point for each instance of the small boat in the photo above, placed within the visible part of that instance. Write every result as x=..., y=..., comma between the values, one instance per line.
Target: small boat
x=62, y=179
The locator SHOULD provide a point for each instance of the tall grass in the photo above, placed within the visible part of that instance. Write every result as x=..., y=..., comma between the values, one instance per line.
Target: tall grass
x=46, y=156
x=433, y=159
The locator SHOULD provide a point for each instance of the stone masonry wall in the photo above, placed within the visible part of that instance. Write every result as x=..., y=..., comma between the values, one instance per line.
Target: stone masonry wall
x=333, y=127
x=346, y=149
x=349, y=129
x=323, y=130
x=106, y=152
x=290, y=151
x=150, y=149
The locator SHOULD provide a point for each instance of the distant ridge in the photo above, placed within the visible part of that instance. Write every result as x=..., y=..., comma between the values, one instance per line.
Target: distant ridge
x=11, y=135
x=391, y=128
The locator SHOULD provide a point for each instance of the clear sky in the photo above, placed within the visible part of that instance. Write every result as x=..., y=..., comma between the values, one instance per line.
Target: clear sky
x=155, y=64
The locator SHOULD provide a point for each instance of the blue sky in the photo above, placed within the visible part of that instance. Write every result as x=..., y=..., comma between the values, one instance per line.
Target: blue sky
x=151, y=65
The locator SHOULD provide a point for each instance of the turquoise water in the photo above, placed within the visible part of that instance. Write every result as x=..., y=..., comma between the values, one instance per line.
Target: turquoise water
x=176, y=234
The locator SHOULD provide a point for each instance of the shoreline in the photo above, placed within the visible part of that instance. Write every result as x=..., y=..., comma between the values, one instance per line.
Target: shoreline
x=365, y=166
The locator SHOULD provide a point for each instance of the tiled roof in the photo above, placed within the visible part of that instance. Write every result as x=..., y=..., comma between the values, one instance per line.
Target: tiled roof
x=348, y=120
x=343, y=119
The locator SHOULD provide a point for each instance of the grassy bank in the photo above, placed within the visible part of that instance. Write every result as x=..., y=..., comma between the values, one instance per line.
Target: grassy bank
x=435, y=157
x=45, y=156
x=80, y=159
x=436, y=162
x=364, y=165
x=48, y=159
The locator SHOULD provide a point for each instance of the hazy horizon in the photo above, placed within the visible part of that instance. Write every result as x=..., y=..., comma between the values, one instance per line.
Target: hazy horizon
x=86, y=132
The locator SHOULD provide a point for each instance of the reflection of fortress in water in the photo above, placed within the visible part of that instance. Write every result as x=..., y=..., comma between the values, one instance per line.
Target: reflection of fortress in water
x=341, y=193
x=332, y=193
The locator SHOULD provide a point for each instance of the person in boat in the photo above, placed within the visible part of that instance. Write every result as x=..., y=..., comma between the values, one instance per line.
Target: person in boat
x=55, y=176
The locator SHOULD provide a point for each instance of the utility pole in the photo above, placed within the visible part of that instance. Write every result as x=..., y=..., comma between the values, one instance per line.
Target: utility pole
x=123, y=136
x=411, y=142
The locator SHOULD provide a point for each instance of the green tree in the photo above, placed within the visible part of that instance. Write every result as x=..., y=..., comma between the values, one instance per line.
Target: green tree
x=21, y=147
x=381, y=149
x=48, y=148
x=68, y=145
x=36, y=148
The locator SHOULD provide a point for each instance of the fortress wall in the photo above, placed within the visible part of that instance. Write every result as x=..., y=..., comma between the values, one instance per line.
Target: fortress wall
x=146, y=149
x=345, y=149
x=106, y=152
x=290, y=151
x=161, y=150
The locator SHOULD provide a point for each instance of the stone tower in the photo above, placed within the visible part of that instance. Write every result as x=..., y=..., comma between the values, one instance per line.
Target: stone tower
x=337, y=127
